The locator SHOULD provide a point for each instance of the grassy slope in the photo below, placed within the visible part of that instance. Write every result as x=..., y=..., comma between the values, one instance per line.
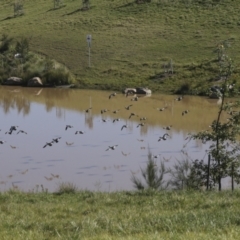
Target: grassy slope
x=130, y=42
x=122, y=215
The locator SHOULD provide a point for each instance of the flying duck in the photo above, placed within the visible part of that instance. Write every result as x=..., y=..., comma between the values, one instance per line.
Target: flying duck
x=112, y=95
x=111, y=147
x=56, y=140
x=134, y=99
x=80, y=132
x=87, y=110
x=179, y=98
x=185, y=112
x=132, y=114
x=21, y=131
x=124, y=126
x=168, y=127
x=141, y=124
x=68, y=126
x=164, y=137
x=155, y=156
x=116, y=111
x=48, y=144
x=125, y=154
x=162, y=109
x=104, y=110
x=128, y=107
x=116, y=120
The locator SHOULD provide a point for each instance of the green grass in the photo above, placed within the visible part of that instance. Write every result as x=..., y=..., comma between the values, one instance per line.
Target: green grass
x=120, y=215
x=130, y=42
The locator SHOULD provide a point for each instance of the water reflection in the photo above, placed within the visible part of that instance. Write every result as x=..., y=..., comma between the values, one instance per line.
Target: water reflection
x=82, y=158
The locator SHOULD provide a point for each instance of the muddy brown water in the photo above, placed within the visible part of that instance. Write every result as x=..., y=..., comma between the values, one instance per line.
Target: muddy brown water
x=83, y=159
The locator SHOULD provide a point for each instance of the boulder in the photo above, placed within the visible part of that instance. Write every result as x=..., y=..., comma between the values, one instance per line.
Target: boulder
x=130, y=91
x=35, y=82
x=13, y=81
x=143, y=91
x=139, y=90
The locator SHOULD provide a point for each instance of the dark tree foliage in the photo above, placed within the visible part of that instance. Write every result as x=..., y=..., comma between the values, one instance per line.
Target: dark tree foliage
x=5, y=43
x=224, y=147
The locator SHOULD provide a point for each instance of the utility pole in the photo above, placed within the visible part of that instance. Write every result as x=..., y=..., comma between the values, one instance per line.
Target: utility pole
x=89, y=39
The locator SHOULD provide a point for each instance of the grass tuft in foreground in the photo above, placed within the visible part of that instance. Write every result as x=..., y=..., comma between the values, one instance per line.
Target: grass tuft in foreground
x=120, y=215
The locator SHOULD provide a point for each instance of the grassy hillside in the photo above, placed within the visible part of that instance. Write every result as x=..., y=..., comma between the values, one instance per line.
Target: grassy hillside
x=120, y=215
x=131, y=42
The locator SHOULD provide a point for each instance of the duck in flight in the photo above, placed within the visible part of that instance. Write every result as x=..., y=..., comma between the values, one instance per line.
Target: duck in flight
x=141, y=124
x=132, y=114
x=128, y=107
x=164, y=137
x=112, y=95
x=2, y=142
x=56, y=140
x=124, y=126
x=104, y=110
x=87, y=110
x=47, y=144
x=125, y=154
x=185, y=112
x=111, y=147
x=116, y=111
x=116, y=120
x=21, y=131
x=161, y=109
x=168, y=127
x=68, y=126
x=12, y=128
x=79, y=132
x=134, y=99
x=179, y=98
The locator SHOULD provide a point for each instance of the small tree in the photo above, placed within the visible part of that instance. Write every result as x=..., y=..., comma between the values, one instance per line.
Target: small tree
x=180, y=173
x=85, y=4
x=18, y=8
x=57, y=3
x=153, y=176
x=224, y=149
x=221, y=50
x=22, y=47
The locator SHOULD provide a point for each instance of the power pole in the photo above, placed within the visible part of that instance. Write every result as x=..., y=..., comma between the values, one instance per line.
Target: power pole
x=89, y=40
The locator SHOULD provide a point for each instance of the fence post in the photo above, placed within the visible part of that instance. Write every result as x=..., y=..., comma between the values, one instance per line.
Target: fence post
x=232, y=177
x=208, y=171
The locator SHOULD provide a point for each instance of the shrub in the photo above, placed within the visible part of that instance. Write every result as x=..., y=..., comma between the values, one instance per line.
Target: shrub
x=58, y=77
x=66, y=187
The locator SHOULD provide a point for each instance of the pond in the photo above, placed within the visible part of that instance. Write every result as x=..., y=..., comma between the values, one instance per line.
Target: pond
x=29, y=159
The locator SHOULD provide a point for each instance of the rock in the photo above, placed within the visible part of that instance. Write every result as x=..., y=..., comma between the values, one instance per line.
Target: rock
x=130, y=91
x=13, y=81
x=143, y=91
x=139, y=90
x=35, y=82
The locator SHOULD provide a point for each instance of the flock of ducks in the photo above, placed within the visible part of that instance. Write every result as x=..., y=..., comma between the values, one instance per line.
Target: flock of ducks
x=142, y=123
x=50, y=143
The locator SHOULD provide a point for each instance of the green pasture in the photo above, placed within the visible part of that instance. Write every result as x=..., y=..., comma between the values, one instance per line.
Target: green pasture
x=131, y=43
x=120, y=215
